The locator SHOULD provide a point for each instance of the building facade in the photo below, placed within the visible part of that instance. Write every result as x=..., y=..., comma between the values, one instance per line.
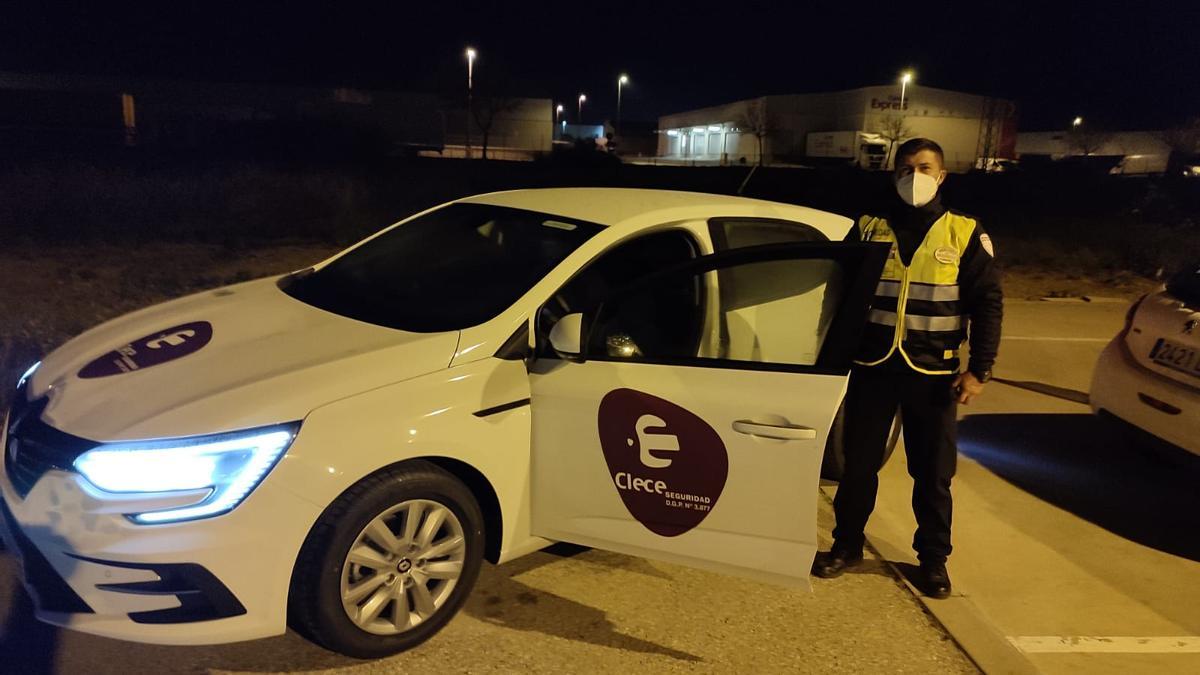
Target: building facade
x=796, y=128
x=39, y=110
x=513, y=128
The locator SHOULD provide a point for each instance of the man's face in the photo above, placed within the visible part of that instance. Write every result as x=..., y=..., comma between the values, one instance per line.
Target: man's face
x=925, y=161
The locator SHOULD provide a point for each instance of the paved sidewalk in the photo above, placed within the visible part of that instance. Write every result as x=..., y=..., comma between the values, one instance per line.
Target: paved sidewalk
x=1073, y=552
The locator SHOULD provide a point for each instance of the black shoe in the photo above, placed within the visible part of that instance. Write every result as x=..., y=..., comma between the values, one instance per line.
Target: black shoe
x=834, y=563
x=936, y=580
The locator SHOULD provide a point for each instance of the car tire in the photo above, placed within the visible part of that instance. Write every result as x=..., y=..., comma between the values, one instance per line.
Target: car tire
x=833, y=463
x=357, y=591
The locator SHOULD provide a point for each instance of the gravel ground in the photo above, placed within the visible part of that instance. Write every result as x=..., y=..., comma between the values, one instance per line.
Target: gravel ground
x=570, y=610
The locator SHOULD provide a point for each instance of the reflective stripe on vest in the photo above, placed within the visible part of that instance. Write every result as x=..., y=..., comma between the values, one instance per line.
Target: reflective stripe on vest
x=916, y=309
x=930, y=324
x=916, y=291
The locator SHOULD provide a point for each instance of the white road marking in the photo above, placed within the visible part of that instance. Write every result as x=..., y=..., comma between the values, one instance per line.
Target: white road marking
x=1047, y=644
x=1054, y=339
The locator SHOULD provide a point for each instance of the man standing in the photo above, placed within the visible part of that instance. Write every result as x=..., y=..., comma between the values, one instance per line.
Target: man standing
x=940, y=279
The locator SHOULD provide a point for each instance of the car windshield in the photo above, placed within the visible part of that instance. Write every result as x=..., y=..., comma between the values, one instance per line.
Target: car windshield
x=1186, y=285
x=451, y=268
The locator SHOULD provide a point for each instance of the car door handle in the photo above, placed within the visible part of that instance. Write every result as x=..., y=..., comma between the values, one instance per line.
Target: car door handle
x=786, y=432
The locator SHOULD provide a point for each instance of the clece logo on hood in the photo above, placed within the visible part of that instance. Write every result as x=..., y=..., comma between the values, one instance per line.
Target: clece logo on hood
x=152, y=350
x=668, y=465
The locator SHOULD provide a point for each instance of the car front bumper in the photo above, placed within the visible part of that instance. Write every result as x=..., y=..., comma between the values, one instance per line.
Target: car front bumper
x=1144, y=399
x=89, y=568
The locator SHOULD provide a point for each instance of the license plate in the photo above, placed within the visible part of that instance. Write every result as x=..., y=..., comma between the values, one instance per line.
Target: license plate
x=1177, y=357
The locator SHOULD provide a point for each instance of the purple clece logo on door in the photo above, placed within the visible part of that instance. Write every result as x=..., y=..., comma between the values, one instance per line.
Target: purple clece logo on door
x=668, y=465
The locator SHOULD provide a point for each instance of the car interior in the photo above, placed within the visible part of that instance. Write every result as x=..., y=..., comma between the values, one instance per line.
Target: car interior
x=770, y=311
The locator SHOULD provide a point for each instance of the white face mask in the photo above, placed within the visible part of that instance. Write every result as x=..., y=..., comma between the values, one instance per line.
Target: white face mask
x=917, y=189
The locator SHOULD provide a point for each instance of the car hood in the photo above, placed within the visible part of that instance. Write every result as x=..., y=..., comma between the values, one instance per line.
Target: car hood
x=238, y=357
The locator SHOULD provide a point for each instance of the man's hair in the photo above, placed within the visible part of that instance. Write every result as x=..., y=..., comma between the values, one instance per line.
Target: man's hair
x=915, y=145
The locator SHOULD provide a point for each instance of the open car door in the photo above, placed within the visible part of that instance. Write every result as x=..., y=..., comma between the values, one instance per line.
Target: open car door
x=684, y=418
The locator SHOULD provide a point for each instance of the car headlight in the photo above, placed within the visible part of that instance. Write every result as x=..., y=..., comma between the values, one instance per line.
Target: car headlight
x=229, y=465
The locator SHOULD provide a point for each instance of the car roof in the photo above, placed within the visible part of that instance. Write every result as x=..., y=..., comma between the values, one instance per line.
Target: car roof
x=633, y=206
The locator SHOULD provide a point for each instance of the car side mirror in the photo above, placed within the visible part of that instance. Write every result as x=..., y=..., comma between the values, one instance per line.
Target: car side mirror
x=566, y=337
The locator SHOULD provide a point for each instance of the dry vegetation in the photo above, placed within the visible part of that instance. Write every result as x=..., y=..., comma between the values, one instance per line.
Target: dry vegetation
x=48, y=295
x=84, y=241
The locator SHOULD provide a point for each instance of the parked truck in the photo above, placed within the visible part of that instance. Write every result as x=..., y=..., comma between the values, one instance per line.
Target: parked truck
x=857, y=148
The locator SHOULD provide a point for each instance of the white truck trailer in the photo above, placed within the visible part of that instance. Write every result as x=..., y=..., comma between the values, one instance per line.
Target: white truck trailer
x=858, y=148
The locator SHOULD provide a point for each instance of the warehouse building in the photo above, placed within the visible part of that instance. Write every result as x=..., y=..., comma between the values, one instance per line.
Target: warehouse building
x=75, y=112
x=857, y=127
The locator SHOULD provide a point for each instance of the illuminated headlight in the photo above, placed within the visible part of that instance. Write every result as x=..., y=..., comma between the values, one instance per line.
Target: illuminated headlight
x=28, y=374
x=229, y=465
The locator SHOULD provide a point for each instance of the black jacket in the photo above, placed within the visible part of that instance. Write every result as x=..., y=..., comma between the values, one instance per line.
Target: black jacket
x=978, y=277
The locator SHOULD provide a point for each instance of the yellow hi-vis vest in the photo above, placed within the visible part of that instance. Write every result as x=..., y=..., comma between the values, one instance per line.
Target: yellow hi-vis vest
x=917, y=310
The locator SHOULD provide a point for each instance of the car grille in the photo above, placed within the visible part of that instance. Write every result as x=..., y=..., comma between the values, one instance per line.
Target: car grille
x=33, y=447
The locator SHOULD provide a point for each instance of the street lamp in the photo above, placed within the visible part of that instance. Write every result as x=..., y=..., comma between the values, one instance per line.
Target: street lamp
x=905, y=78
x=623, y=80
x=470, y=82
x=558, y=109
x=1076, y=122
x=582, y=98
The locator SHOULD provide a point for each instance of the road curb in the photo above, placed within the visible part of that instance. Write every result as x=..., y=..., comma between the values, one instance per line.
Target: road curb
x=963, y=621
x=987, y=647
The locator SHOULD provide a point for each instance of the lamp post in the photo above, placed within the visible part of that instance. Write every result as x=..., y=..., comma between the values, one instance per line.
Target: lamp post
x=1076, y=122
x=582, y=98
x=621, y=81
x=470, y=82
x=905, y=78
x=558, y=109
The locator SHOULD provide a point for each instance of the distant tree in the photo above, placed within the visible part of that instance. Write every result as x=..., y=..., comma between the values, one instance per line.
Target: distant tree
x=757, y=121
x=486, y=110
x=893, y=129
x=492, y=98
x=1086, y=139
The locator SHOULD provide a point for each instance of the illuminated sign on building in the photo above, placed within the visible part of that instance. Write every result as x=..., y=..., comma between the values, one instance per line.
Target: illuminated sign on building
x=891, y=103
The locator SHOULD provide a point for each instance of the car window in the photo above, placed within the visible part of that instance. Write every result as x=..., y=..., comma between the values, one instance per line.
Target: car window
x=1186, y=285
x=617, y=268
x=732, y=233
x=766, y=312
x=454, y=267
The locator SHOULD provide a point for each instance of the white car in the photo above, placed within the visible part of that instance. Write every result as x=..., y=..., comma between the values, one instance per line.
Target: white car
x=648, y=372
x=1148, y=378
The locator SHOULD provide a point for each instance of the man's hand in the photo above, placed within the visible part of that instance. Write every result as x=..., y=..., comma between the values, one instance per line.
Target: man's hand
x=966, y=386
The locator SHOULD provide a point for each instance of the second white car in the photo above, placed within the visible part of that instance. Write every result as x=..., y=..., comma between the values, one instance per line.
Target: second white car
x=1148, y=378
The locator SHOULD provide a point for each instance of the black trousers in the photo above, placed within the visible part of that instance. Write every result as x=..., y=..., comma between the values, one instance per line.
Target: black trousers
x=928, y=408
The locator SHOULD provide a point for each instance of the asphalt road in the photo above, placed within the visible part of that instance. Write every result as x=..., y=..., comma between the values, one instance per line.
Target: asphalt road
x=1073, y=552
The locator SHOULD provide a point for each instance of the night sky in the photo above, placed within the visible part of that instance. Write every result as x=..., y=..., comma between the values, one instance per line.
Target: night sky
x=1128, y=65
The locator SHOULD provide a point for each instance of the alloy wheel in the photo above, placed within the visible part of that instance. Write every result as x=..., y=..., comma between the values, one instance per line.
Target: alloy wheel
x=403, y=567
